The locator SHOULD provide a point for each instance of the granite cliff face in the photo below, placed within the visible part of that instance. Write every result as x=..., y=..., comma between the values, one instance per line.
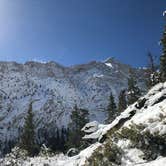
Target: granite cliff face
x=56, y=89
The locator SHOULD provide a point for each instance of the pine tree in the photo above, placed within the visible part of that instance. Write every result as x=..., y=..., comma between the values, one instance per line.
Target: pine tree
x=151, y=63
x=163, y=58
x=28, y=136
x=63, y=139
x=111, y=109
x=55, y=143
x=152, y=74
x=79, y=118
x=122, y=105
x=133, y=90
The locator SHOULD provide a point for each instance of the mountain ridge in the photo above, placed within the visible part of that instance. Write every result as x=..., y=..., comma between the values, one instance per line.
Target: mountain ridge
x=57, y=90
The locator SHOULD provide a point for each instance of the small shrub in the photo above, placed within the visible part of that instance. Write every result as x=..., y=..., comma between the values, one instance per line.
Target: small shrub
x=108, y=154
x=153, y=145
x=15, y=158
x=45, y=152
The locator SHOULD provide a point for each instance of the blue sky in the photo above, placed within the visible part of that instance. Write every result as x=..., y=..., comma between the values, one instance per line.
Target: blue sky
x=78, y=31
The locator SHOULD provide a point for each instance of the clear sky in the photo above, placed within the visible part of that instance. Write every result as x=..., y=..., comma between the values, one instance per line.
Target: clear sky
x=77, y=31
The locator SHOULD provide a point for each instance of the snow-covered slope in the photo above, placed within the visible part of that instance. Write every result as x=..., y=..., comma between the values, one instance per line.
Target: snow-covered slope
x=149, y=110
x=136, y=138
x=146, y=120
x=56, y=89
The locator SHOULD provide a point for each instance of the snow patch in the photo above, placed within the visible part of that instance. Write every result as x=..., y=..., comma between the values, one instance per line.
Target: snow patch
x=160, y=161
x=98, y=75
x=39, y=60
x=109, y=65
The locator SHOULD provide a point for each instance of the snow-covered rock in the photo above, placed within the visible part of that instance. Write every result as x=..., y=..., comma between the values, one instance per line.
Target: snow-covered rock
x=91, y=127
x=72, y=152
x=149, y=112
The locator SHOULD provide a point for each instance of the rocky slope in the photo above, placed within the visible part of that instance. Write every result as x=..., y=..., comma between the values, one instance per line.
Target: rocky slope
x=135, y=138
x=55, y=90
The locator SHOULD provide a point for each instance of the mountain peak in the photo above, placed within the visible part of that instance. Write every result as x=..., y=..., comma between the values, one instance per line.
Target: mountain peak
x=109, y=60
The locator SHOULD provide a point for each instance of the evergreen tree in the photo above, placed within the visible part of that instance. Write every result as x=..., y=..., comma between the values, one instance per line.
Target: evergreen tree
x=163, y=57
x=57, y=140
x=79, y=118
x=63, y=139
x=111, y=109
x=152, y=74
x=54, y=141
x=133, y=90
x=122, y=105
x=151, y=63
x=28, y=136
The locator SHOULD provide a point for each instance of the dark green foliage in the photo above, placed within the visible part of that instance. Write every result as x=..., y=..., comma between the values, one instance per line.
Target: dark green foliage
x=151, y=64
x=140, y=103
x=133, y=90
x=152, y=145
x=79, y=118
x=28, y=136
x=163, y=57
x=122, y=105
x=132, y=133
x=111, y=109
x=56, y=141
x=46, y=152
x=9, y=145
x=63, y=138
x=152, y=75
x=108, y=154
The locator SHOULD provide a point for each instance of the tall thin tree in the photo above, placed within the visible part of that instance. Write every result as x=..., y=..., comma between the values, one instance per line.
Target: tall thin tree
x=122, y=104
x=28, y=136
x=111, y=109
x=152, y=74
x=163, y=57
x=133, y=90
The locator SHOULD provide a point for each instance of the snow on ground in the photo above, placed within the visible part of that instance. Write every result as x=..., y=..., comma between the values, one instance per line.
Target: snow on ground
x=58, y=160
x=160, y=161
x=98, y=75
x=128, y=159
x=103, y=129
x=149, y=110
x=152, y=114
x=62, y=160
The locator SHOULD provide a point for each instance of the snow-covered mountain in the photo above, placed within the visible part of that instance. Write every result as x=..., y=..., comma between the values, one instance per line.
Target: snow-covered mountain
x=55, y=90
x=135, y=138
